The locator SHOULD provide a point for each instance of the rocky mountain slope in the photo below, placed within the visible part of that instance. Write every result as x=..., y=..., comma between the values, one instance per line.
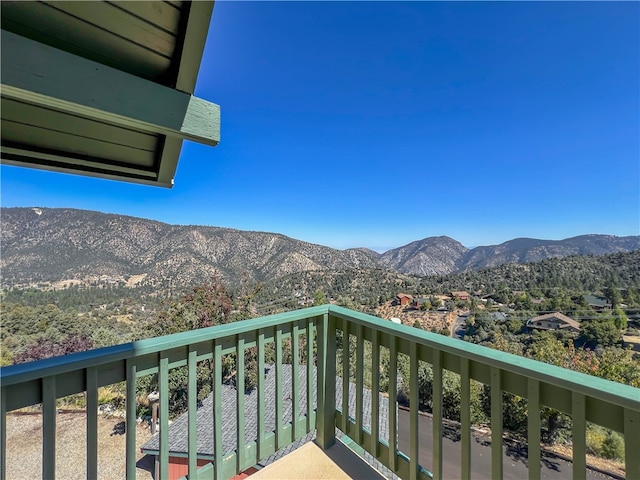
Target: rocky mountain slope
x=527, y=250
x=63, y=244
x=433, y=255
x=58, y=245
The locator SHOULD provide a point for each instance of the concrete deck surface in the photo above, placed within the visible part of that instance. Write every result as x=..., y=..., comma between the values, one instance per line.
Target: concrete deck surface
x=310, y=462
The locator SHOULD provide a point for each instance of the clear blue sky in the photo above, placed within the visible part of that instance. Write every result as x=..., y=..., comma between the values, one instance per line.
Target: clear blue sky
x=376, y=124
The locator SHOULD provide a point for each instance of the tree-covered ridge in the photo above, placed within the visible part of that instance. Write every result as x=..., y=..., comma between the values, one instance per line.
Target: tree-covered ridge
x=54, y=247
x=588, y=273
x=371, y=287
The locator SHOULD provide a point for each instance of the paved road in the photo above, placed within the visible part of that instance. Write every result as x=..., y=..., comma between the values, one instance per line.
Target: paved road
x=514, y=458
x=458, y=327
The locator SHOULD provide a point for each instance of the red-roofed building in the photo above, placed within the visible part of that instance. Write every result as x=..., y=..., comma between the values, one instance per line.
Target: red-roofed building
x=404, y=299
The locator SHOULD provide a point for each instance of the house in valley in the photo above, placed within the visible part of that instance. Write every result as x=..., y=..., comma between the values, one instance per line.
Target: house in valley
x=463, y=296
x=404, y=299
x=554, y=321
x=598, y=302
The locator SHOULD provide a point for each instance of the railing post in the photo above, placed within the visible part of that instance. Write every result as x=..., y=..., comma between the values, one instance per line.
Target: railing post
x=326, y=364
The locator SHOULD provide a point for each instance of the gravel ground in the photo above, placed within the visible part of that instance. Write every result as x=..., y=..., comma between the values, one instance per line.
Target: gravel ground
x=24, y=447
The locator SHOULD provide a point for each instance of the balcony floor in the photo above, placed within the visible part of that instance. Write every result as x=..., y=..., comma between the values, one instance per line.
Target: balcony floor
x=310, y=462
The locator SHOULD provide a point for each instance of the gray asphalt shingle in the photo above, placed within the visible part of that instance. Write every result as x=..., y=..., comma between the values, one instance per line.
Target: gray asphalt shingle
x=178, y=430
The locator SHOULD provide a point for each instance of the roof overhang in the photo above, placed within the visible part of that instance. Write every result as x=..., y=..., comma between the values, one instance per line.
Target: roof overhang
x=104, y=88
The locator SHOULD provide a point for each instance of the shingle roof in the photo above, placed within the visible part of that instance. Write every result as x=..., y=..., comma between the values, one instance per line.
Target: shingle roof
x=178, y=430
x=559, y=316
x=596, y=301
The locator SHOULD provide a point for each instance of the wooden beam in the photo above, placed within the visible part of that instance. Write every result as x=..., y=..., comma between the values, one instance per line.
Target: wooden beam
x=192, y=48
x=43, y=75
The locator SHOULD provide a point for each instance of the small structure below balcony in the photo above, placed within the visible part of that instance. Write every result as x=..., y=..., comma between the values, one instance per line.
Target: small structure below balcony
x=554, y=321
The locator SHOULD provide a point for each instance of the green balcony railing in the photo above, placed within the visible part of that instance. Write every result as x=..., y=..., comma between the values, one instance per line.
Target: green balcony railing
x=321, y=336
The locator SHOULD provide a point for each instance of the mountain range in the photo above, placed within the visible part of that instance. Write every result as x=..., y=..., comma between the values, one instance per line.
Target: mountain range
x=61, y=245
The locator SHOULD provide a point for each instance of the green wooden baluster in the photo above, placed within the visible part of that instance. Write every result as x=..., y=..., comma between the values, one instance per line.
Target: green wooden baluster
x=3, y=434
x=578, y=411
x=359, y=383
x=240, y=434
x=261, y=400
x=413, y=411
x=192, y=399
x=496, y=424
x=163, y=377
x=465, y=419
x=217, y=410
x=295, y=381
x=375, y=395
x=130, y=430
x=437, y=415
x=280, y=440
x=48, y=428
x=92, y=422
x=393, y=398
x=632, y=443
x=346, y=354
x=310, y=369
x=533, y=428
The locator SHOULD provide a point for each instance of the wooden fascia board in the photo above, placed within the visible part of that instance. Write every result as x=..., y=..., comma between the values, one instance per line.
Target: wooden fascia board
x=169, y=160
x=193, y=45
x=23, y=157
x=43, y=75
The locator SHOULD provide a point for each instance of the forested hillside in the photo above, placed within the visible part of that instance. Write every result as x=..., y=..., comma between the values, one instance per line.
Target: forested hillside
x=56, y=248
x=578, y=273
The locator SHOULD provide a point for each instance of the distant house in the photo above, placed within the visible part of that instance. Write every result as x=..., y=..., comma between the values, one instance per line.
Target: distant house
x=464, y=296
x=498, y=316
x=554, y=321
x=178, y=430
x=418, y=302
x=404, y=299
x=597, y=302
x=631, y=342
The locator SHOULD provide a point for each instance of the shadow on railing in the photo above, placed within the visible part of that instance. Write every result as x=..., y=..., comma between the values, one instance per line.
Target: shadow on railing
x=325, y=343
